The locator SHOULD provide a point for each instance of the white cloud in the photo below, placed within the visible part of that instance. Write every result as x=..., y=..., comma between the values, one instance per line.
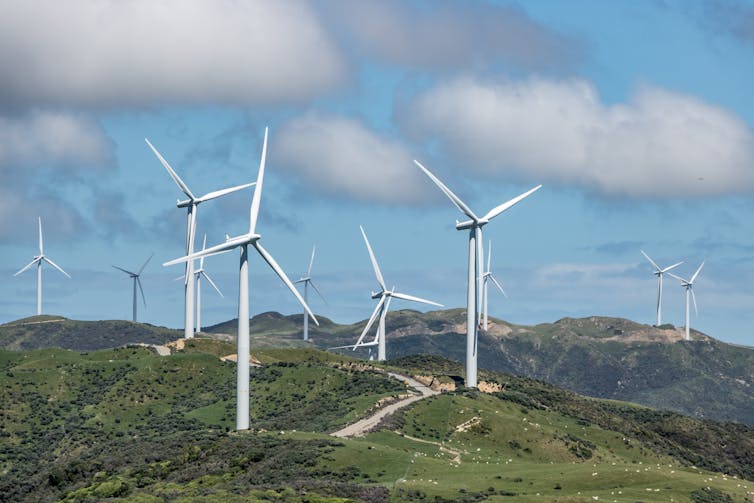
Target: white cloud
x=151, y=52
x=341, y=157
x=41, y=138
x=446, y=34
x=659, y=144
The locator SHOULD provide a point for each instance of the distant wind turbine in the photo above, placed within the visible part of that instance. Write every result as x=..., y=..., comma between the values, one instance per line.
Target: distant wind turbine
x=688, y=284
x=199, y=274
x=659, y=271
x=137, y=281
x=243, y=242
x=307, y=280
x=191, y=205
x=38, y=261
x=486, y=277
x=383, y=305
x=474, y=225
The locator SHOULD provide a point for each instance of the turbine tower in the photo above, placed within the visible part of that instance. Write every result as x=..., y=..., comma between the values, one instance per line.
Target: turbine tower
x=689, y=286
x=137, y=281
x=38, y=261
x=383, y=305
x=307, y=280
x=198, y=275
x=486, y=277
x=191, y=204
x=474, y=226
x=243, y=241
x=659, y=271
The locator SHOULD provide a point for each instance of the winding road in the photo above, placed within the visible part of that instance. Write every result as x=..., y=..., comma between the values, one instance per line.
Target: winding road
x=359, y=428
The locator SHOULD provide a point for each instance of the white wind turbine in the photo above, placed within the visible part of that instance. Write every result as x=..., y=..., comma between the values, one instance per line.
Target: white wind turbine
x=474, y=225
x=243, y=241
x=659, y=271
x=191, y=205
x=307, y=280
x=38, y=261
x=383, y=305
x=137, y=281
x=689, y=286
x=198, y=274
x=486, y=277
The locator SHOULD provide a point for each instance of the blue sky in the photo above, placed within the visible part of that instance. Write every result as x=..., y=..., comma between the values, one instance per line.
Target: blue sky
x=638, y=118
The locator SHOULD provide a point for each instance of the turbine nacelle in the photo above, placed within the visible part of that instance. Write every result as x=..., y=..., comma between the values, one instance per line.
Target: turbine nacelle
x=470, y=224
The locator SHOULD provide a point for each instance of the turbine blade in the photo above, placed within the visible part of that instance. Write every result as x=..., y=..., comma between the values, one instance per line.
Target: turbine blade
x=182, y=276
x=145, y=264
x=27, y=266
x=56, y=266
x=498, y=285
x=671, y=267
x=696, y=273
x=415, y=299
x=279, y=271
x=222, y=192
x=257, y=197
x=144, y=299
x=311, y=262
x=213, y=250
x=489, y=256
x=213, y=284
x=318, y=292
x=651, y=261
x=454, y=198
x=171, y=172
x=127, y=272
x=506, y=205
x=371, y=320
x=204, y=247
x=376, y=267
x=677, y=277
x=41, y=243
x=693, y=298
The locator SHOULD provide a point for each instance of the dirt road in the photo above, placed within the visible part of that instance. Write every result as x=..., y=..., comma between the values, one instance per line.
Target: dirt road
x=359, y=428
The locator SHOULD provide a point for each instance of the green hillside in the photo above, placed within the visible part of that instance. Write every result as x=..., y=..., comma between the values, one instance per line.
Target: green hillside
x=126, y=424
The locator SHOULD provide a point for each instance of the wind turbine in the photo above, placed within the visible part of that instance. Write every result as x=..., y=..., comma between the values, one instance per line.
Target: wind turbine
x=659, y=271
x=383, y=305
x=474, y=226
x=243, y=241
x=38, y=261
x=487, y=276
x=689, y=286
x=137, y=281
x=191, y=204
x=198, y=274
x=307, y=280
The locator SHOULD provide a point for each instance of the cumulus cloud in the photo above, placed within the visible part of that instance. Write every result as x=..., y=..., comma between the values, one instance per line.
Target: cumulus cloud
x=340, y=156
x=449, y=35
x=152, y=52
x=658, y=144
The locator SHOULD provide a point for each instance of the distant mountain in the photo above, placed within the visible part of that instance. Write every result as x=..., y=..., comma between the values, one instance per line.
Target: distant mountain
x=38, y=332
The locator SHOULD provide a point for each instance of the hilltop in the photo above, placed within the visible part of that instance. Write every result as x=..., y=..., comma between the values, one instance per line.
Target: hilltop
x=126, y=424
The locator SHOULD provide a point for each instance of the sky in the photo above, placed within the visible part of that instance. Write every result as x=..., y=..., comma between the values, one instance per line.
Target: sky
x=636, y=116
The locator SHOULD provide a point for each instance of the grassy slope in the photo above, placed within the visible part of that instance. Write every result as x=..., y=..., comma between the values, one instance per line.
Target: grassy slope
x=127, y=423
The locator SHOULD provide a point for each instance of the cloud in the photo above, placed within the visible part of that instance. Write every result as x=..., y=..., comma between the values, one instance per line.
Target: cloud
x=445, y=34
x=53, y=138
x=658, y=144
x=341, y=157
x=729, y=17
x=147, y=52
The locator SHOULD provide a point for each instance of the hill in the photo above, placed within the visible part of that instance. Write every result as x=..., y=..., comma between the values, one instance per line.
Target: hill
x=38, y=332
x=126, y=424
x=597, y=356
